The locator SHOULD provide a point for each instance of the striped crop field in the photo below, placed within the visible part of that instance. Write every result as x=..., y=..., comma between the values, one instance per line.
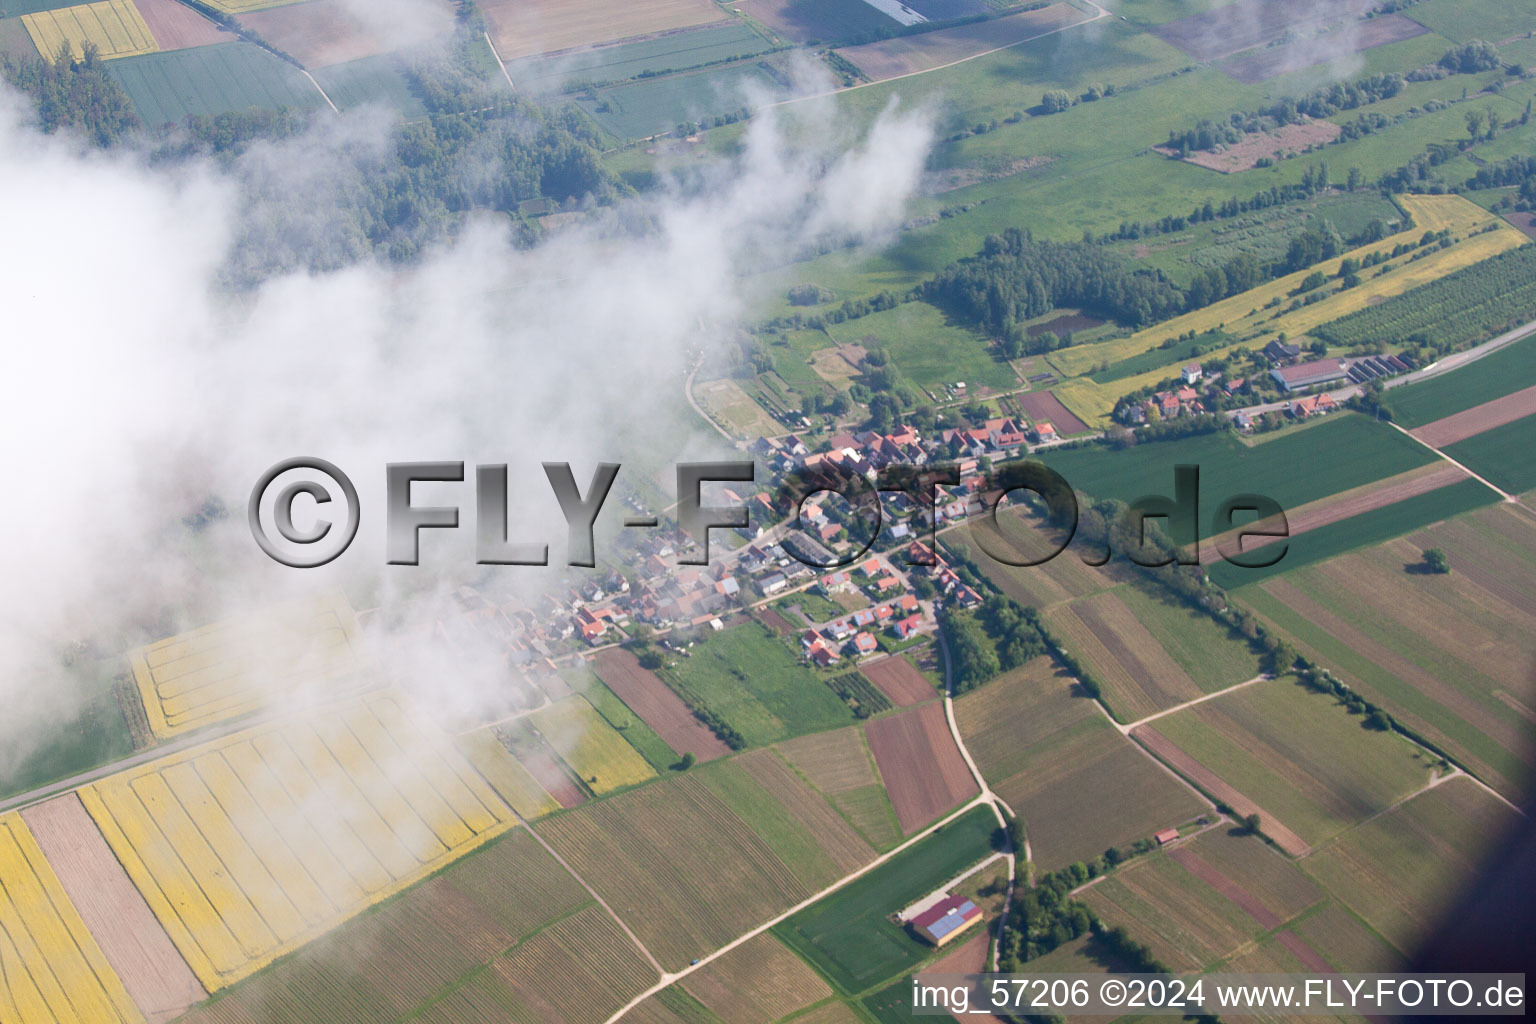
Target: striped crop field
x=249, y=846
x=245, y=6
x=595, y=750
x=114, y=26
x=232, y=668
x=51, y=969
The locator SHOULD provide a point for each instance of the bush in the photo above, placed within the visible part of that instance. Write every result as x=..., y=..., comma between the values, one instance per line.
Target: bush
x=1055, y=101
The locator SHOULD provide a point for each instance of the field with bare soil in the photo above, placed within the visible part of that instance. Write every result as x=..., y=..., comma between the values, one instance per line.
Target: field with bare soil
x=921, y=765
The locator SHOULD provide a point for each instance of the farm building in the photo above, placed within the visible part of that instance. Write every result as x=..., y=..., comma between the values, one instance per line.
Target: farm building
x=946, y=919
x=1166, y=836
x=1305, y=375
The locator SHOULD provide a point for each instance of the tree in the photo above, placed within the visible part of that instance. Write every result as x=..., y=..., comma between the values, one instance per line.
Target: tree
x=1436, y=561
x=1055, y=101
x=688, y=761
x=1252, y=823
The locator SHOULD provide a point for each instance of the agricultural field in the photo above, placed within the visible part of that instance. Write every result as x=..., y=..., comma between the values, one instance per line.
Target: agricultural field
x=231, y=668
x=595, y=751
x=1049, y=752
x=319, y=33
x=1473, y=303
x=511, y=781
x=1359, y=449
x=371, y=80
x=1149, y=655
x=1465, y=20
x=431, y=949
x=654, y=106
x=661, y=709
x=141, y=954
x=522, y=29
x=1306, y=766
x=176, y=26
x=1478, y=419
x=848, y=936
x=922, y=768
x=629, y=725
x=910, y=55
x=757, y=982
x=95, y=731
x=668, y=52
x=54, y=970
x=1492, y=376
x=168, y=87
x=249, y=846
x=778, y=698
x=815, y=21
x=929, y=350
x=1373, y=526
x=1401, y=871
x=1504, y=456
x=1447, y=655
x=682, y=868
x=899, y=680
x=733, y=407
x=114, y=27
x=840, y=765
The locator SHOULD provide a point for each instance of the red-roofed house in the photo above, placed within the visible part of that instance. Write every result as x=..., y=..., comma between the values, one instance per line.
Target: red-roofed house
x=907, y=628
x=865, y=643
x=945, y=920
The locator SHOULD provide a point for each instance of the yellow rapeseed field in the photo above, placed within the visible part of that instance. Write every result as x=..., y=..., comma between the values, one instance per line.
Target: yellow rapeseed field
x=114, y=26
x=1094, y=402
x=235, y=667
x=249, y=846
x=51, y=970
x=594, y=749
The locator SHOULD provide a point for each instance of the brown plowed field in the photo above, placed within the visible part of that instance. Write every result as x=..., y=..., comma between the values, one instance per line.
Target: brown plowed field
x=1347, y=505
x=158, y=980
x=923, y=770
x=1473, y=421
x=318, y=33
x=176, y=26
x=1208, y=874
x=774, y=621
x=656, y=704
x=523, y=28
x=1207, y=780
x=1302, y=951
x=1044, y=405
x=900, y=680
x=757, y=982
x=909, y=55
x=548, y=773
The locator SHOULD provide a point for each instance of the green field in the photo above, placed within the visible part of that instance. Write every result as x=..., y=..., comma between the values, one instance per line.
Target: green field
x=1505, y=456
x=651, y=106
x=1298, y=755
x=1465, y=20
x=1446, y=655
x=1344, y=452
x=751, y=679
x=1359, y=531
x=674, y=51
x=930, y=350
x=847, y=937
x=1403, y=870
x=1494, y=375
x=378, y=80
x=1202, y=648
x=168, y=87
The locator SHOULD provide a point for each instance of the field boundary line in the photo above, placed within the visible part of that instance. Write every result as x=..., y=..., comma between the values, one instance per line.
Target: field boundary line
x=499, y=62
x=1509, y=498
x=1125, y=730
x=323, y=94
x=600, y=901
x=668, y=979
